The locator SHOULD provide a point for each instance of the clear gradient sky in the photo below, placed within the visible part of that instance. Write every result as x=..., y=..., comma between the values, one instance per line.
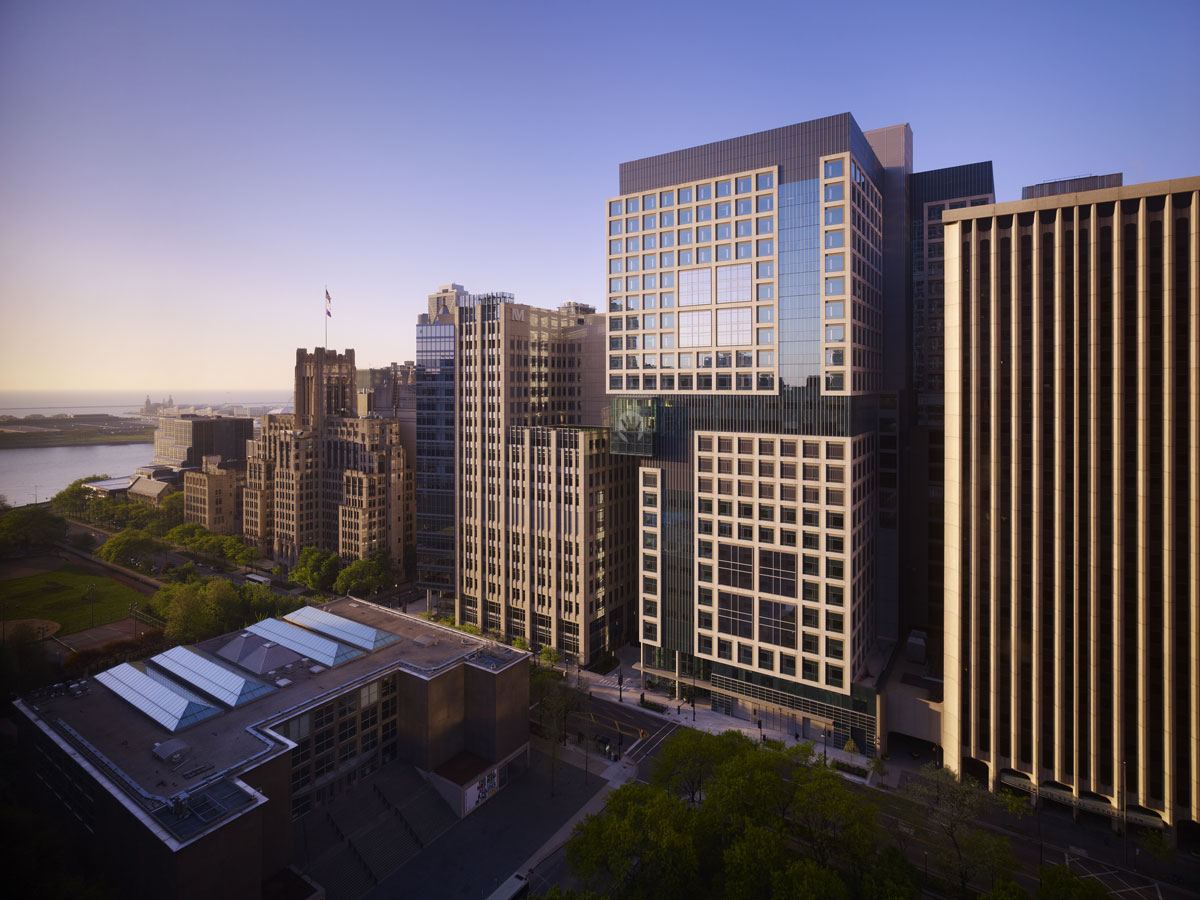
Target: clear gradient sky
x=179, y=181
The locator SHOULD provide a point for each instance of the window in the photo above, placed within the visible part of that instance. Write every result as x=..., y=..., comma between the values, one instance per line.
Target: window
x=666, y=198
x=743, y=184
x=835, y=193
x=735, y=566
x=810, y=643
x=834, y=168
x=724, y=188
x=695, y=288
x=766, y=181
x=765, y=292
x=704, y=192
x=834, y=622
x=777, y=623
x=835, y=310
x=787, y=664
x=733, y=326
x=745, y=250
x=765, y=269
x=735, y=614
x=766, y=247
x=766, y=337
x=835, y=215
x=835, y=333
x=766, y=659
x=835, y=262
x=704, y=213
x=777, y=573
x=765, y=225
x=835, y=239
x=733, y=284
x=765, y=204
x=835, y=286
x=695, y=329
x=808, y=669
x=615, y=208
x=833, y=675
x=724, y=649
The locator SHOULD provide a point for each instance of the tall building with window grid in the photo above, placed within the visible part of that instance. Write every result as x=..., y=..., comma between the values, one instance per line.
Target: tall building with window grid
x=746, y=294
x=545, y=534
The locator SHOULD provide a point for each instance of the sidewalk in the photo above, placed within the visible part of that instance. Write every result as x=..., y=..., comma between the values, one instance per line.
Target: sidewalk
x=705, y=719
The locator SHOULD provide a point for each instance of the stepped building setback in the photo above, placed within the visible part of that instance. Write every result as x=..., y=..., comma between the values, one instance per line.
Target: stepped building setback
x=325, y=477
x=544, y=512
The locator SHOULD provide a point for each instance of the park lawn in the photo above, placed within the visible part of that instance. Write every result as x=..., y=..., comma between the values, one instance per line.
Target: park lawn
x=58, y=596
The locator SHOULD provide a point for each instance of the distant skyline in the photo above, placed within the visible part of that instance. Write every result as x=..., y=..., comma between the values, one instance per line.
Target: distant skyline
x=179, y=183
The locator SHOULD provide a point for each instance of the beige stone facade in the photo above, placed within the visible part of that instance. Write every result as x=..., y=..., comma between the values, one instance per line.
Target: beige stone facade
x=213, y=496
x=1072, y=613
x=542, y=507
x=337, y=482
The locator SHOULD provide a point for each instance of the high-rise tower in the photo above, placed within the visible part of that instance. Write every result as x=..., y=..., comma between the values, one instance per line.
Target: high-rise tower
x=1072, y=537
x=747, y=293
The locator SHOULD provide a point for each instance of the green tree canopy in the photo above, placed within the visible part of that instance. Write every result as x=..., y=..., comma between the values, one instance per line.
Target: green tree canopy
x=366, y=577
x=316, y=569
x=132, y=547
x=30, y=527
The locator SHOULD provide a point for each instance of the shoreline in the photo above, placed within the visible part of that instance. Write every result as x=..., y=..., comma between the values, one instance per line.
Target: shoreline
x=26, y=441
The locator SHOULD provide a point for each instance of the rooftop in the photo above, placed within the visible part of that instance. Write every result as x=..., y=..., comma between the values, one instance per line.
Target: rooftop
x=118, y=720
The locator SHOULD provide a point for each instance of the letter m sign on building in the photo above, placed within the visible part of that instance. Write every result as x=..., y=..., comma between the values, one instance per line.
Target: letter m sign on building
x=518, y=315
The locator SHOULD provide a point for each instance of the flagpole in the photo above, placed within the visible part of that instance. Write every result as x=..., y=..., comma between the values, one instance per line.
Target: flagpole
x=326, y=316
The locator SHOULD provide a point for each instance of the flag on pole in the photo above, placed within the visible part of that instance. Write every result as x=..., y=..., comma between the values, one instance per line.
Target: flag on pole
x=328, y=304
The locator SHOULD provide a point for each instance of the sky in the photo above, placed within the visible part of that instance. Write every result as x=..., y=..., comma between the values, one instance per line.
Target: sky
x=181, y=182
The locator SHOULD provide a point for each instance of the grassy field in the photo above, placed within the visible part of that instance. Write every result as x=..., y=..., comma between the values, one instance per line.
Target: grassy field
x=48, y=438
x=58, y=596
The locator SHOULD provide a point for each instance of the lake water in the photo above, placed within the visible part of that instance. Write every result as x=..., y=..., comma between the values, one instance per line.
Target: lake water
x=118, y=403
x=27, y=473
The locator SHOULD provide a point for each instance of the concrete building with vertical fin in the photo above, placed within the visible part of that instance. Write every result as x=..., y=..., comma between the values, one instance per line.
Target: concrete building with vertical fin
x=1072, y=519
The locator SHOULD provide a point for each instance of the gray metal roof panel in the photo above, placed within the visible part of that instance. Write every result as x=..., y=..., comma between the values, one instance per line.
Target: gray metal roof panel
x=169, y=704
x=347, y=631
x=315, y=647
x=210, y=677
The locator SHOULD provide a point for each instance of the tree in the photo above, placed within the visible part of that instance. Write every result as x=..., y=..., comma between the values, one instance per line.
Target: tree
x=168, y=515
x=366, y=576
x=1060, y=883
x=805, y=880
x=639, y=848
x=1007, y=889
x=30, y=528
x=688, y=759
x=316, y=569
x=955, y=806
x=189, y=617
x=73, y=500
x=132, y=547
x=550, y=656
x=838, y=826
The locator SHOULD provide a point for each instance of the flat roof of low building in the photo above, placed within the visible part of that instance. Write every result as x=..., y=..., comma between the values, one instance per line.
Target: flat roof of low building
x=105, y=725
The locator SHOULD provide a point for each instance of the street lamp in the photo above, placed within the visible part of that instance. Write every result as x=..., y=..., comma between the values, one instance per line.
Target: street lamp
x=825, y=736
